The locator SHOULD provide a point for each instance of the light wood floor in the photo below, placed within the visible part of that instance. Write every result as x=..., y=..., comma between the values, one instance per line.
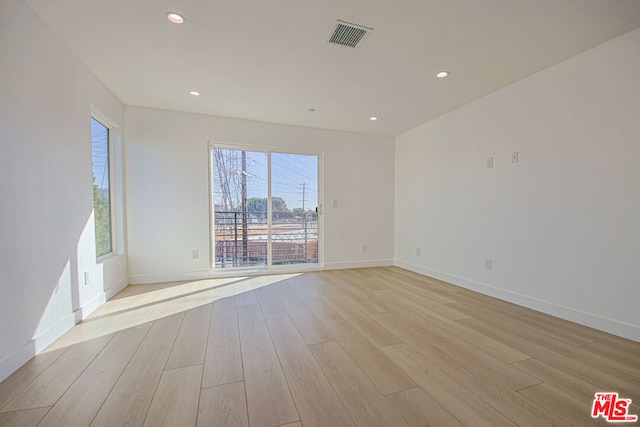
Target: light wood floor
x=367, y=347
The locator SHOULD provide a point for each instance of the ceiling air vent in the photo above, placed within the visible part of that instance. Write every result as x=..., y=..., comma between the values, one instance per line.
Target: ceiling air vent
x=348, y=34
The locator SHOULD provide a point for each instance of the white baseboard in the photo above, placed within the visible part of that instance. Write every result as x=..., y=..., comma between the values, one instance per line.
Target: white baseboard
x=89, y=307
x=113, y=290
x=142, y=279
x=358, y=264
x=591, y=320
x=15, y=360
x=21, y=356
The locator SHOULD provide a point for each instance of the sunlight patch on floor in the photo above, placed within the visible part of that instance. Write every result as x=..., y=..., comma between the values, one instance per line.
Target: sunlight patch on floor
x=126, y=312
x=130, y=297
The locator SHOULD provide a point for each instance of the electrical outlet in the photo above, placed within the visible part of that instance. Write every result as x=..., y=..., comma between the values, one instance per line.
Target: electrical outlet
x=335, y=203
x=489, y=162
x=86, y=277
x=418, y=251
x=195, y=254
x=487, y=264
x=364, y=248
x=515, y=157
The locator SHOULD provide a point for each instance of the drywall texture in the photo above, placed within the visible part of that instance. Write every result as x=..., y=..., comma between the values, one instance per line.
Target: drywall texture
x=561, y=225
x=46, y=224
x=168, y=189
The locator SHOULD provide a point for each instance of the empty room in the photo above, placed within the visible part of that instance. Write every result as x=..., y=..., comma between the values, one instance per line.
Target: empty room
x=290, y=213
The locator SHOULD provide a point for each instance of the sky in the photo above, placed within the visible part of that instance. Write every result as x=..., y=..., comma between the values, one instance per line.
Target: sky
x=100, y=154
x=288, y=174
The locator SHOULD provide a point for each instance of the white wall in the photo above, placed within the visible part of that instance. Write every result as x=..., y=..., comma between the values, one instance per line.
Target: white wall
x=168, y=191
x=562, y=226
x=46, y=200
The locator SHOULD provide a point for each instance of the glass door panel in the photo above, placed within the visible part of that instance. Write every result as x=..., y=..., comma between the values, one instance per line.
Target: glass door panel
x=240, y=191
x=294, y=201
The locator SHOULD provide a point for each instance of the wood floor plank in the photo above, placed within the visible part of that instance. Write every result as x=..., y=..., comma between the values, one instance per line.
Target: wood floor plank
x=191, y=344
x=311, y=329
x=360, y=320
x=567, y=364
x=246, y=298
x=606, y=364
x=23, y=418
x=623, y=356
x=602, y=363
x=17, y=381
x=630, y=371
x=315, y=399
x=419, y=409
x=483, y=342
x=47, y=388
x=269, y=401
x=175, y=403
x=81, y=402
x=376, y=365
x=358, y=278
x=619, y=344
x=529, y=317
x=456, y=399
x=270, y=303
x=475, y=379
x=568, y=410
x=364, y=402
x=308, y=285
x=431, y=283
x=567, y=383
x=505, y=313
x=223, y=363
x=223, y=405
x=410, y=288
x=130, y=398
x=362, y=298
x=418, y=333
x=422, y=287
x=420, y=304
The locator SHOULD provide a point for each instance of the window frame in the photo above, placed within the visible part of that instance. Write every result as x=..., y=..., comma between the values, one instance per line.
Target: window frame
x=114, y=202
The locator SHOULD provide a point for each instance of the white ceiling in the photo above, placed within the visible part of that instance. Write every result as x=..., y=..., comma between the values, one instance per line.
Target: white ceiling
x=269, y=60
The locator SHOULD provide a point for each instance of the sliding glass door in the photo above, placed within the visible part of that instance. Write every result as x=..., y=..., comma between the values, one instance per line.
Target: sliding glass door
x=264, y=208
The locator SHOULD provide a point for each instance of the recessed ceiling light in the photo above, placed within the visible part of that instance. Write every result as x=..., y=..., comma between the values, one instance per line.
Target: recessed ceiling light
x=311, y=110
x=373, y=118
x=442, y=74
x=194, y=93
x=176, y=18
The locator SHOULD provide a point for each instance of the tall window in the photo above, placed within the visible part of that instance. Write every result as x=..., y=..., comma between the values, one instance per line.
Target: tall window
x=101, y=187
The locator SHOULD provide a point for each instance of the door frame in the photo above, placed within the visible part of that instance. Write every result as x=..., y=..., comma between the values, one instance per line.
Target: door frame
x=268, y=269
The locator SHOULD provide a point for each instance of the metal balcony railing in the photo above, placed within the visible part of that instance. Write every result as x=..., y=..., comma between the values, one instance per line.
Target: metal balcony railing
x=241, y=239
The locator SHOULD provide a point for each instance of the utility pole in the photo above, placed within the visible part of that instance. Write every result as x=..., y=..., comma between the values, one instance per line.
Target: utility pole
x=304, y=216
x=245, y=219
